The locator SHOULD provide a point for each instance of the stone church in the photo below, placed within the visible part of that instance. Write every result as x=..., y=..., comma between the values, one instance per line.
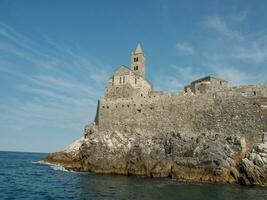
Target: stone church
x=130, y=82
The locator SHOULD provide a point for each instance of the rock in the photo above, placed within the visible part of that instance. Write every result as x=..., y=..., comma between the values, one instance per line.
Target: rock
x=207, y=157
x=258, y=161
x=254, y=174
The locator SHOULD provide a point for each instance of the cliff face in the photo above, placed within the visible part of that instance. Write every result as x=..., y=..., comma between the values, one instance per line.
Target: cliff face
x=208, y=157
x=214, y=137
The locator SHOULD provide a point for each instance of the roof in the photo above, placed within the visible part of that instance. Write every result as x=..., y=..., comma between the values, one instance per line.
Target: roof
x=137, y=75
x=124, y=66
x=206, y=78
x=138, y=48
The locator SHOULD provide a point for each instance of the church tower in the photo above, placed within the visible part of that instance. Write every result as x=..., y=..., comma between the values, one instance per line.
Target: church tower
x=139, y=61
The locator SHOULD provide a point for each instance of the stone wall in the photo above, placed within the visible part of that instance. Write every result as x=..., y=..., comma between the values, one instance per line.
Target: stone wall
x=235, y=110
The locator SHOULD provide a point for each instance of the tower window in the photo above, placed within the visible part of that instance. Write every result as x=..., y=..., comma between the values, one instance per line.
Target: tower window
x=135, y=81
x=136, y=59
x=135, y=67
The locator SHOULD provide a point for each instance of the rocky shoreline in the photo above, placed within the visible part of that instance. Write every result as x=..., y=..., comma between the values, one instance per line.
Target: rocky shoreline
x=207, y=157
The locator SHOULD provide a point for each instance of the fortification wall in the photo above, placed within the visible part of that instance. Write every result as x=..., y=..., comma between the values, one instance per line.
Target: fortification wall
x=229, y=111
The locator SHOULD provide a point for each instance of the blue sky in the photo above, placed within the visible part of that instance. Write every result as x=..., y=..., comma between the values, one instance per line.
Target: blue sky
x=56, y=57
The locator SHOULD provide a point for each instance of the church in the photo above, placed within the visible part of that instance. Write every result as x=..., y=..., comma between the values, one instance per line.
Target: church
x=130, y=82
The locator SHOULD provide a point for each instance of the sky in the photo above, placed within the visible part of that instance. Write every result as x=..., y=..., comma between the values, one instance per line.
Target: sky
x=56, y=57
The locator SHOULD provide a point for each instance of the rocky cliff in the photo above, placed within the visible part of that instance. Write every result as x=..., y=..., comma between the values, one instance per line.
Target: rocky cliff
x=212, y=137
x=208, y=157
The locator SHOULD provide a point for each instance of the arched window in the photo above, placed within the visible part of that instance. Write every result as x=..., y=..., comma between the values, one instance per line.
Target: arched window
x=136, y=59
x=135, y=67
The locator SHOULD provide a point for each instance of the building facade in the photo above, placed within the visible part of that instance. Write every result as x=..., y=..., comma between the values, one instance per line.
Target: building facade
x=130, y=82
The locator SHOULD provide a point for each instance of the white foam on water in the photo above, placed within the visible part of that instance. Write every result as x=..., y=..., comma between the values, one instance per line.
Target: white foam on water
x=53, y=166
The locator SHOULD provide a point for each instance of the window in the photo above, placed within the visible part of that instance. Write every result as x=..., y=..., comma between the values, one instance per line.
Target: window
x=135, y=67
x=122, y=79
x=135, y=81
x=136, y=59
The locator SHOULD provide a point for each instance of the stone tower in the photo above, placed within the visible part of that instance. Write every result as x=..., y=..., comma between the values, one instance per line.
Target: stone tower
x=139, y=61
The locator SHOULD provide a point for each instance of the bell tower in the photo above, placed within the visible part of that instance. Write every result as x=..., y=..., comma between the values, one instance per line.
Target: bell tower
x=139, y=61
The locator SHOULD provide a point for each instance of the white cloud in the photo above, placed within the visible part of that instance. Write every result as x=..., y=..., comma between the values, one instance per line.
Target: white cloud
x=239, y=16
x=181, y=76
x=59, y=85
x=184, y=48
x=233, y=75
x=99, y=76
x=251, y=52
x=219, y=25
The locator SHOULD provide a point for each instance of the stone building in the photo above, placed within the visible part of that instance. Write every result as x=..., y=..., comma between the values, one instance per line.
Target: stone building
x=130, y=82
x=205, y=84
x=206, y=105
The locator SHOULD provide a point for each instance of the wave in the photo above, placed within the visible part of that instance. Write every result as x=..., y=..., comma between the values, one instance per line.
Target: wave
x=53, y=166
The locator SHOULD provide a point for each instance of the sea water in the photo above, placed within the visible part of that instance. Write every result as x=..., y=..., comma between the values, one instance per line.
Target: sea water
x=22, y=176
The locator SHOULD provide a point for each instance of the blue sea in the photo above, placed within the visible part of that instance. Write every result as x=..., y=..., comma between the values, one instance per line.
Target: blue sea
x=23, y=177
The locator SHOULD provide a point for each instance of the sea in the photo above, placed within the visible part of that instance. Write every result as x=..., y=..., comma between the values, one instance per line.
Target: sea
x=24, y=176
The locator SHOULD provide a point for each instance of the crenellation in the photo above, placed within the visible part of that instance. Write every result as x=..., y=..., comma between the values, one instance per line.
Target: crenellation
x=206, y=105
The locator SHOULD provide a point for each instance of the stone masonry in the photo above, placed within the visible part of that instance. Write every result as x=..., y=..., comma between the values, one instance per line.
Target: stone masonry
x=206, y=105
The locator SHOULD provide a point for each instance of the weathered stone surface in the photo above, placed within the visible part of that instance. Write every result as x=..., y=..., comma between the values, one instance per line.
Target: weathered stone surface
x=69, y=158
x=254, y=168
x=208, y=157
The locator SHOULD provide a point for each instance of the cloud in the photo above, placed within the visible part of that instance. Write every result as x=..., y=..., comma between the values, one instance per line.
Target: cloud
x=99, y=76
x=55, y=85
x=241, y=57
x=184, y=48
x=219, y=25
x=180, y=77
x=252, y=52
x=231, y=74
x=239, y=16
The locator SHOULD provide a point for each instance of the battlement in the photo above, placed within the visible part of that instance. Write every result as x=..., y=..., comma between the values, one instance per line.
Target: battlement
x=234, y=110
x=206, y=105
